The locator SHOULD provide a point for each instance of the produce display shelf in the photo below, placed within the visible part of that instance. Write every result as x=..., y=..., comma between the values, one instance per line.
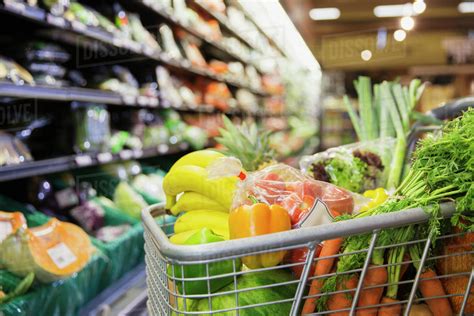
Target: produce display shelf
x=40, y=16
x=270, y=39
x=223, y=21
x=171, y=19
x=70, y=94
x=59, y=164
x=117, y=292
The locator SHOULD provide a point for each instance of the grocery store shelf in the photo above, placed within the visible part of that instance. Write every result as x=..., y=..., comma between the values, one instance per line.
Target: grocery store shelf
x=40, y=16
x=53, y=165
x=62, y=94
x=223, y=21
x=70, y=94
x=171, y=19
x=122, y=297
x=278, y=48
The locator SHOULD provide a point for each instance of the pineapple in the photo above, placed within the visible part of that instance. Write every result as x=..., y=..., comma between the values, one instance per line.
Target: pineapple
x=247, y=143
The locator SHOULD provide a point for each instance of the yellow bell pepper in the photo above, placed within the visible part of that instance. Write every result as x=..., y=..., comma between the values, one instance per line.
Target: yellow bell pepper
x=259, y=219
x=377, y=196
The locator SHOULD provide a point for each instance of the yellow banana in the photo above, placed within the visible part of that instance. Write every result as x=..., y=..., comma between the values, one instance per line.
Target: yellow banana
x=190, y=201
x=200, y=158
x=194, y=178
x=217, y=221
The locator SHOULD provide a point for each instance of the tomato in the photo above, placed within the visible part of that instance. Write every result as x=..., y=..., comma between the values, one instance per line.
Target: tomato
x=312, y=188
x=339, y=201
x=296, y=206
x=270, y=187
x=295, y=187
x=299, y=255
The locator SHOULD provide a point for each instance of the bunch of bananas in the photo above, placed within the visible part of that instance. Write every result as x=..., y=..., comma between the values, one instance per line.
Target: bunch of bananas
x=205, y=201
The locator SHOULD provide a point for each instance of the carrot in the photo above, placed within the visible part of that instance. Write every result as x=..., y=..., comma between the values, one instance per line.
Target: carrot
x=430, y=288
x=374, y=276
x=391, y=310
x=323, y=266
x=343, y=300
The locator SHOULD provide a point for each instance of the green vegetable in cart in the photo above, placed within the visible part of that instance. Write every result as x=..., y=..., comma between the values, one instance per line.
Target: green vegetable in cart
x=20, y=289
x=203, y=236
x=266, y=295
x=128, y=201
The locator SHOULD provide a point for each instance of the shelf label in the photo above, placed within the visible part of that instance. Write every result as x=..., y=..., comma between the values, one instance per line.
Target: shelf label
x=132, y=45
x=142, y=100
x=78, y=26
x=66, y=198
x=163, y=148
x=129, y=99
x=153, y=102
x=137, y=153
x=117, y=41
x=148, y=51
x=6, y=228
x=56, y=20
x=104, y=157
x=61, y=255
x=83, y=160
x=126, y=154
x=15, y=6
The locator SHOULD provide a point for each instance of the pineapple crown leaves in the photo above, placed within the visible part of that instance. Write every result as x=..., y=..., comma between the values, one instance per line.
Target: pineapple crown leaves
x=246, y=142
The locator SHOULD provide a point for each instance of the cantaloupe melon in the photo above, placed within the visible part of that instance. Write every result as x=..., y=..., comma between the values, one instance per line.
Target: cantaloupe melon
x=53, y=251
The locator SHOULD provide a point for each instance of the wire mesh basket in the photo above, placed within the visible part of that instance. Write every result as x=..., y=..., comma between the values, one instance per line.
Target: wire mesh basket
x=174, y=289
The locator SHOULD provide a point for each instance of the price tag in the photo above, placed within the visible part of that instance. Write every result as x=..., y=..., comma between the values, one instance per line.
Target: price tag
x=318, y=215
x=137, y=153
x=66, y=198
x=56, y=20
x=133, y=45
x=142, y=100
x=148, y=51
x=104, y=157
x=15, y=6
x=61, y=255
x=163, y=148
x=129, y=99
x=117, y=41
x=83, y=160
x=77, y=26
x=153, y=102
x=126, y=154
x=6, y=228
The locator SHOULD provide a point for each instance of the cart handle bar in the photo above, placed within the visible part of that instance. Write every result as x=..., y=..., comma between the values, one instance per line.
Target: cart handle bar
x=287, y=239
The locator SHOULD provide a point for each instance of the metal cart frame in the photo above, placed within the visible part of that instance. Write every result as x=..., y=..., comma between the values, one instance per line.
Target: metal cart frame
x=160, y=253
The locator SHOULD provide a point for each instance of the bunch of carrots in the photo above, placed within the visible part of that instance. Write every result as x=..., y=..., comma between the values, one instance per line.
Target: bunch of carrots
x=379, y=293
x=441, y=170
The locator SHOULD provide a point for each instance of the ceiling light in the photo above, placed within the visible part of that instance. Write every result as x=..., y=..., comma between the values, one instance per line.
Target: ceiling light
x=366, y=55
x=466, y=7
x=399, y=35
x=407, y=23
x=419, y=6
x=319, y=14
x=394, y=10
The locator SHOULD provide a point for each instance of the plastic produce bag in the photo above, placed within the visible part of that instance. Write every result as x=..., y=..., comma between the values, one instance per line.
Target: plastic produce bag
x=356, y=167
x=307, y=201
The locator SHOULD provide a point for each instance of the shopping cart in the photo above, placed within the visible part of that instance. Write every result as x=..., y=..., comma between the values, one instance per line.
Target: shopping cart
x=164, y=260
